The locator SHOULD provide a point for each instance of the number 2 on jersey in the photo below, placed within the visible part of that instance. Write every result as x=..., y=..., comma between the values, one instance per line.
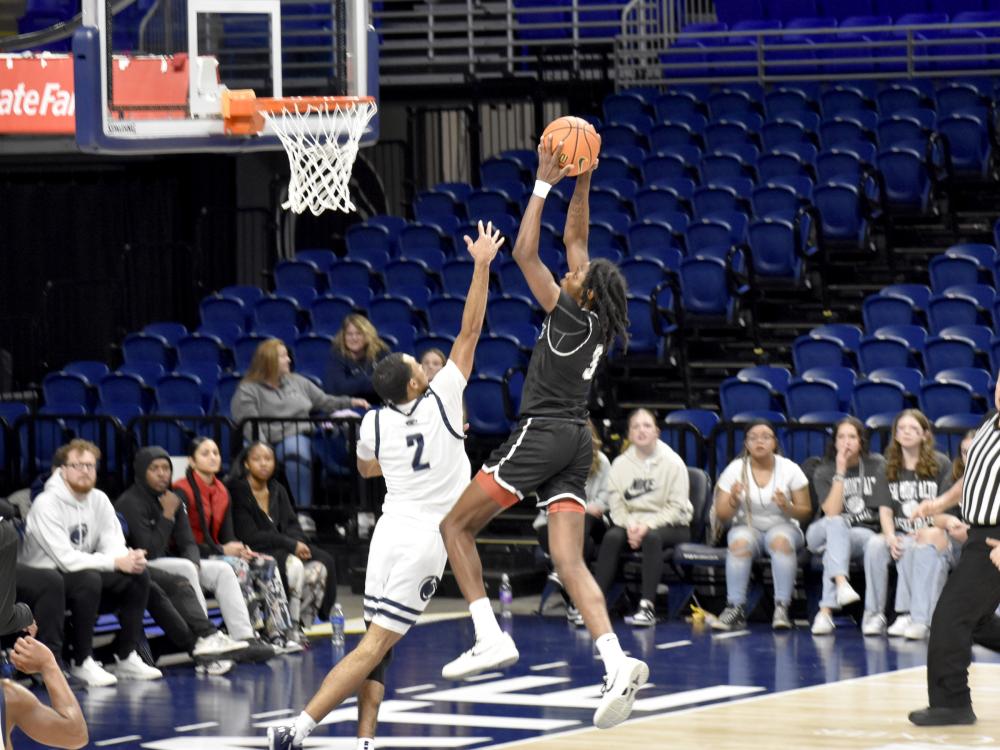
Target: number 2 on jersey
x=417, y=440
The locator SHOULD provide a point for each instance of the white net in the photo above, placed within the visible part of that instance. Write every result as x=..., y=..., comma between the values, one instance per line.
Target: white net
x=322, y=144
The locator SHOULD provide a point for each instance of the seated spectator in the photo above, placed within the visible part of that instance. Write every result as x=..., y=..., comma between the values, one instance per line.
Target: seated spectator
x=270, y=389
x=209, y=514
x=914, y=471
x=59, y=725
x=766, y=496
x=850, y=485
x=356, y=349
x=264, y=519
x=14, y=616
x=432, y=361
x=158, y=523
x=650, y=509
x=175, y=600
x=73, y=529
x=595, y=522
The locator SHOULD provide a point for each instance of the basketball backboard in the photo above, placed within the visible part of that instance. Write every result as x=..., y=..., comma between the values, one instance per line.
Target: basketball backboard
x=149, y=79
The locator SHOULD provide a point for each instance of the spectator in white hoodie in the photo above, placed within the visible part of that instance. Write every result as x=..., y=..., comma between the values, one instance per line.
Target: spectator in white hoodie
x=72, y=528
x=650, y=509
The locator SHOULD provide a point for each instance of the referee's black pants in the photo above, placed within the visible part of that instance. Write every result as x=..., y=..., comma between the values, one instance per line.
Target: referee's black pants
x=965, y=614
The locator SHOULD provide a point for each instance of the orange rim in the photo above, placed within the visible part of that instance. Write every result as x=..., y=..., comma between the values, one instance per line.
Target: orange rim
x=243, y=112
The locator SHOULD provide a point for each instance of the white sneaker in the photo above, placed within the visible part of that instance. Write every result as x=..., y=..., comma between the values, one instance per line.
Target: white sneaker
x=873, y=623
x=619, y=691
x=215, y=644
x=823, y=624
x=134, y=668
x=93, y=674
x=847, y=595
x=898, y=628
x=216, y=667
x=916, y=631
x=496, y=654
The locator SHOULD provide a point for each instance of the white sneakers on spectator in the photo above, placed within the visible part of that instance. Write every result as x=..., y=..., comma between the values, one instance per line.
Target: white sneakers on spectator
x=822, y=624
x=644, y=617
x=134, y=668
x=847, y=595
x=873, y=623
x=215, y=667
x=497, y=653
x=916, y=631
x=781, y=619
x=93, y=674
x=619, y=691
x=898, y=628
x=215, y=644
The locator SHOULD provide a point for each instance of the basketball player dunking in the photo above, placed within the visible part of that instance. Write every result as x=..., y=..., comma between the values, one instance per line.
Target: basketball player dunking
x=416, y=442
x=549, y=452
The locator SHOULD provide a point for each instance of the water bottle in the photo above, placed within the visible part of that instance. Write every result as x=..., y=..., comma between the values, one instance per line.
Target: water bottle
x=506, y=596
x=6, y=668
x=337, y=625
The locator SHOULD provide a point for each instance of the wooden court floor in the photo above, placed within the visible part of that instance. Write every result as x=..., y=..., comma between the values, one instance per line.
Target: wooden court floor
x=866, y=713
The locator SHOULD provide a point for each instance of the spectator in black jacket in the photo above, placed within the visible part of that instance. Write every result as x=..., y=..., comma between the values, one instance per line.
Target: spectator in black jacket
x=157, y=522
x=264, y=520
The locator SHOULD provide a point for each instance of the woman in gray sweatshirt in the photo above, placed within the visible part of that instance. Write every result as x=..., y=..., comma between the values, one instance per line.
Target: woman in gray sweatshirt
x=271, y=389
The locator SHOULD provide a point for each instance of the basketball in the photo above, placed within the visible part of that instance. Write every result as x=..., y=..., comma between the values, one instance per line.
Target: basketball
x=581, y=143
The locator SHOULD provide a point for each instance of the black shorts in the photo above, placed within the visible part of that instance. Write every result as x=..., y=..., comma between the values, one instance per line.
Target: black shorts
x=545, y=455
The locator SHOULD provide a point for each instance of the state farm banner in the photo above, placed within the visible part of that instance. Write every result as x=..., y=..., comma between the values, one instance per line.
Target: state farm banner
x=37, y=92
x=36, y=95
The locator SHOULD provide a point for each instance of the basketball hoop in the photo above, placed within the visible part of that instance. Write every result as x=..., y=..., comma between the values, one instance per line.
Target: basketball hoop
x=320, y=134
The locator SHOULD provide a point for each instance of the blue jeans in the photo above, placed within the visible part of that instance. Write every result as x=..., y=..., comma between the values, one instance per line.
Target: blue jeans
x=783, y=564
x=295, y=452
x=839, y=543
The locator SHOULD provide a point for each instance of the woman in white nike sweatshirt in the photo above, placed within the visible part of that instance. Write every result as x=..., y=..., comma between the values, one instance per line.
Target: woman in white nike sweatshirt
x=650, y=509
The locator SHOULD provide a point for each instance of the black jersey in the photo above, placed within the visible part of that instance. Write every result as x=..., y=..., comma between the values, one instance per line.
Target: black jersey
x=563, y=363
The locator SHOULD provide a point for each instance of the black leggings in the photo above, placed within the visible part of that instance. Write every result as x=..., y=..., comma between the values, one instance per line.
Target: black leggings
x=656, y=540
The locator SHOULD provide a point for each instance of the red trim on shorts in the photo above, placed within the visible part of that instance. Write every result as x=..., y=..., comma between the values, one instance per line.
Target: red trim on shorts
x=503, y=498
x=565, y=506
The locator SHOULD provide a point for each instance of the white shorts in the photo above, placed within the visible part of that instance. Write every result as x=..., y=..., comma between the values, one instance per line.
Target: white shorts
x=405, y=565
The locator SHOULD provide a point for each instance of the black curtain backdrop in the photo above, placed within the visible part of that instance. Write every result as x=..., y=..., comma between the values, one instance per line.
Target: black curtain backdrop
x=93, y=249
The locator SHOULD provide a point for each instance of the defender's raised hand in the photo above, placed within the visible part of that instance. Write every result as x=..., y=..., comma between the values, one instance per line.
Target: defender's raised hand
x=485, y=248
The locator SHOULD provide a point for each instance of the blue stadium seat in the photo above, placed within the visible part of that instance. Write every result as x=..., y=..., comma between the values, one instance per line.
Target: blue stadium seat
x=121, y=388
x=951, y=309
x=848, y=335
x=351, y=279
x=170, y=330
x=908, y=378
x=980, y=380
x=67, y=390
x=444, y=314
x=918, y=294
x=876, y=397
x=688, y=445
x=312, y=354
x=777, y=378
x=844, y=217
x=391, y=309
x=887, y=309
x=432, y=204
x=978, y=335
x=148, y=372
x=328, y=314
x=941, y=399
x=146, y=347
x=969, y=140
x=842, y=379
x=642, y=276
x=875, y=353
x=224, y=310
x=707, y=289
x=677, y=102
x=368, y=236
x=275, y=309
x=485, y=405
x=945, y=353
x=907, y=180
x=816, y=351
x=176, y=391
x=199, y=348
x=738, y=395
x=495, y=354
x=776, y=250
x=323, y=258
x=804, y=396
x=296, y=273
x=90, y=369
x=225, y=389
x=245, y=348
x=207, y=374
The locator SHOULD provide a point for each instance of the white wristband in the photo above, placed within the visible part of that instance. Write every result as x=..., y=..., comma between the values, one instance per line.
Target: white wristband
x=541, y=189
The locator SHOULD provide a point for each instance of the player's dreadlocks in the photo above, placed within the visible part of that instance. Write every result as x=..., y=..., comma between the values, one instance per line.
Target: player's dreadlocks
x=608, y=302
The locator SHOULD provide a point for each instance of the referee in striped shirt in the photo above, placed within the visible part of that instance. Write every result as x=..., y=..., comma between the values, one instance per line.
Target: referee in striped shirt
x=965, y=613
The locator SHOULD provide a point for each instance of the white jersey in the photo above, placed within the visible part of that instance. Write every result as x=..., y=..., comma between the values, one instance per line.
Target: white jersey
x=421, y=449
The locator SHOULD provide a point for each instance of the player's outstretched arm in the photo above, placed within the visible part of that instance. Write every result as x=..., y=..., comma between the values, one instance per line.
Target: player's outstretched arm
x=62, y=724
x=539, y=278
x=577, y=231
x=483, y=251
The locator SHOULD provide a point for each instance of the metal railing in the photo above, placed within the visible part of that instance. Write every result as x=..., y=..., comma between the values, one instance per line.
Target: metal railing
x=820, y=54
